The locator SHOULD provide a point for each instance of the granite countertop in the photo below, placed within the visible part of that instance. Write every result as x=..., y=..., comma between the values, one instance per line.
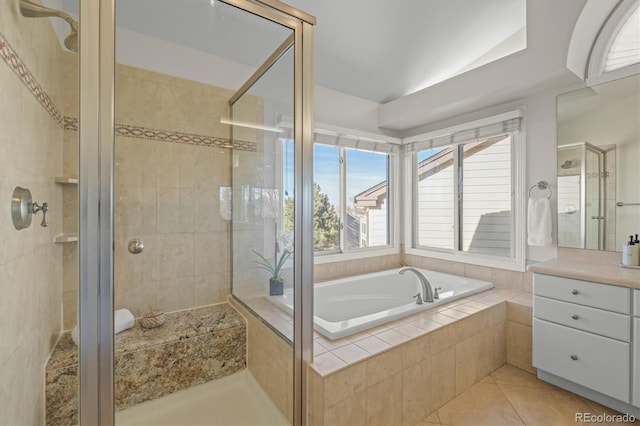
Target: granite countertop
x=178, y=326
x=605, y=272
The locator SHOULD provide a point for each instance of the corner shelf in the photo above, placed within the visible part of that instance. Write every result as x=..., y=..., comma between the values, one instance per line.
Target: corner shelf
x=66, y=180
x=65, y=238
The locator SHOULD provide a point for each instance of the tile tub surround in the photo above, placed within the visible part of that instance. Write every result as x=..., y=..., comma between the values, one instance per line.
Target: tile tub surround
x=270, y=356
x=192, y=347
x=31, y=138
x=402, y=372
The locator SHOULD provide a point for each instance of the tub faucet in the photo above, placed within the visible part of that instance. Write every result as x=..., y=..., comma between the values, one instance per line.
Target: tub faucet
x=427, y=290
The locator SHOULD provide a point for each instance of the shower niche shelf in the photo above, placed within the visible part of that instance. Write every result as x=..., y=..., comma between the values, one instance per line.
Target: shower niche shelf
x=65, y=238
x=63, y=180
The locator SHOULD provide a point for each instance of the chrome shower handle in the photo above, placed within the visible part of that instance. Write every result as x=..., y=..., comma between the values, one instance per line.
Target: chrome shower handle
x=35, y=208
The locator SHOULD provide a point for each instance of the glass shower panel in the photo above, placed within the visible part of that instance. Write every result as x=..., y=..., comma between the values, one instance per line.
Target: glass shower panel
x=174, y=158
x=594, y=223
x=581, y=196
x=263, y=224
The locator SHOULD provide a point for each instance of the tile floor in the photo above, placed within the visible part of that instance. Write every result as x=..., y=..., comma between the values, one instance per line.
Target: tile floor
x=511, y=396
x=235, y=400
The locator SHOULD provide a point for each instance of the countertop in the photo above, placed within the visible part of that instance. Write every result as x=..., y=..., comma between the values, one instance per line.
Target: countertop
x=605, y=272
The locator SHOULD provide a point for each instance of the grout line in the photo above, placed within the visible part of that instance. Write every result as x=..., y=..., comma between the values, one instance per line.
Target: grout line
x=510, y=404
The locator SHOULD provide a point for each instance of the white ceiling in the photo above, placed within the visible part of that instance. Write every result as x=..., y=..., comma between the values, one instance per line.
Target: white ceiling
x=373, y=49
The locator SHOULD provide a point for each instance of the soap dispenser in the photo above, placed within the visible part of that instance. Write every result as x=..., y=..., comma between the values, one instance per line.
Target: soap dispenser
x=631, y=253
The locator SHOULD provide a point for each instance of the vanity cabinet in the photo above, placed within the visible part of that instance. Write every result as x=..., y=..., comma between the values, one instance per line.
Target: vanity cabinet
x=636, y=350
x=582, y=338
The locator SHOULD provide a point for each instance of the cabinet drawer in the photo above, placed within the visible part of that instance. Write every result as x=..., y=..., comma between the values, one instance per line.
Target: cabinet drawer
x=598, y=321
x=602, y=296
x=636, y=310
x=589, y=360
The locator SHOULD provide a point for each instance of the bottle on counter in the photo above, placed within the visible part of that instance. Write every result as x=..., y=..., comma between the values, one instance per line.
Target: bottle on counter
x=631, y=252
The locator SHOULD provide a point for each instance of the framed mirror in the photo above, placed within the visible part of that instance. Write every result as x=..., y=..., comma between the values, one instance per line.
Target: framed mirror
x=599, y=165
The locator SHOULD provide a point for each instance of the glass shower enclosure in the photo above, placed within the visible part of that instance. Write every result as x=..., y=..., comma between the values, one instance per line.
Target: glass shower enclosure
x=183, y=193
x=582, y=196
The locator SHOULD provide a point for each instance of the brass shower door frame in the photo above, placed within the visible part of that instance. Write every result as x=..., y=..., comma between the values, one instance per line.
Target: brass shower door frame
x=96, y=188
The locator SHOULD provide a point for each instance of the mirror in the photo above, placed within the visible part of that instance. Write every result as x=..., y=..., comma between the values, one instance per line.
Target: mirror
x=599, y=165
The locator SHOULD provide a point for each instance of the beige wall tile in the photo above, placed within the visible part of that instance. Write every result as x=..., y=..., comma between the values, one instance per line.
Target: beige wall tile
x=31, y=155
x=384, y=365
x=343, y=384
x=416, y=392
x=519, y=346
x=519, y=313
x=315, y=402
x=507, y=280
x=443, y=377
x=384, y=402
x=348, y=412
x=466, y=360
x=330, y=271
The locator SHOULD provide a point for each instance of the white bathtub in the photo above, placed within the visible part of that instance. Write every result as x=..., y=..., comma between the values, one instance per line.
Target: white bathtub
x=349, y=305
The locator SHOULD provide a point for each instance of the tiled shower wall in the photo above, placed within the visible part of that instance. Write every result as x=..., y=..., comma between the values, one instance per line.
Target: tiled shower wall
x=31, y=111
x=172, y=169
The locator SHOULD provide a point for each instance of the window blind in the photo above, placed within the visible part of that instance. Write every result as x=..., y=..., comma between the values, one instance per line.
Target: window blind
x=625, y=48
x=326, y=137
x=508, y=125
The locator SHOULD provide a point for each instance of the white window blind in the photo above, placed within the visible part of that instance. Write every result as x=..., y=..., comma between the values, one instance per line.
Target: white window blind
x=355, y=142
x=625, y=47
x=486, y=130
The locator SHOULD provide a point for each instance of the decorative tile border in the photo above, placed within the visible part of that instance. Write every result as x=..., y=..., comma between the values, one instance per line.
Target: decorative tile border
x=180, y=137
x=14, y=62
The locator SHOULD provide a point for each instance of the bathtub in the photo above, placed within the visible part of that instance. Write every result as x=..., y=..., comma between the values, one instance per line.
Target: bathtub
x=350, y=305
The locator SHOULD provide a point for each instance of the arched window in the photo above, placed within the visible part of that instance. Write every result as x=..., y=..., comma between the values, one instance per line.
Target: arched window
x=617, y=48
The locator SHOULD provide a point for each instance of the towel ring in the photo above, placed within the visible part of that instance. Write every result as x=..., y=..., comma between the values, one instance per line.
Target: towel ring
x=542, y=185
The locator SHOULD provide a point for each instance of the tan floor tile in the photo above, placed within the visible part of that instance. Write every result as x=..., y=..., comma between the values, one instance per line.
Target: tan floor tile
x=488, y=379
x=427, y=424
x=600, y=409
x=510, y=375
x=540, y=406
x=433, y=418
x=483, y=404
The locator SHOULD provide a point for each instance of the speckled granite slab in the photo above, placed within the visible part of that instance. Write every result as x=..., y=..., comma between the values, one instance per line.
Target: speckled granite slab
x=192, y=347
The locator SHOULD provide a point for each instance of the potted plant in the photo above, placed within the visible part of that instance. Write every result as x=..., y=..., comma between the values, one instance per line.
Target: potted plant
x=276, y=283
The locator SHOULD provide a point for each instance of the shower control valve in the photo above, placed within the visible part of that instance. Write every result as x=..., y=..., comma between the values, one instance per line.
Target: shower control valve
x=45, y=208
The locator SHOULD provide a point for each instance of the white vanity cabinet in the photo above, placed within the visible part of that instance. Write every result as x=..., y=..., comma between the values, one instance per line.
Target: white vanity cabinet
x=582, y=339
x=636, y=349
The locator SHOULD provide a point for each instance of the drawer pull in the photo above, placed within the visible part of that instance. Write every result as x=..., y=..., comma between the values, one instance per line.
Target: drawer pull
x=575, y=317
x=574, y=357
x=574, y=291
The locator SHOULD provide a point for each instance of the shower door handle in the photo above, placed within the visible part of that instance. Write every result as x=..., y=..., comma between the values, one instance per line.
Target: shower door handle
x=597, y=217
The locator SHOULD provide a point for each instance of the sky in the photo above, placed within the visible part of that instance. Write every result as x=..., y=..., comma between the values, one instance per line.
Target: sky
x=364, y=170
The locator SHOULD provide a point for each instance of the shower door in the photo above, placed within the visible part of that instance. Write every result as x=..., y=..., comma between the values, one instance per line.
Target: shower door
x=195, y=90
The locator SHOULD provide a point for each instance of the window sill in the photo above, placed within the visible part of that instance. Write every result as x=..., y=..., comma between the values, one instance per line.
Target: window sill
x=360, y=254
x=472, y=259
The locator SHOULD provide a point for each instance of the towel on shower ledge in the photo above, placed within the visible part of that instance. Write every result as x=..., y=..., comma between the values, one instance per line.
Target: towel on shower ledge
x=539, y=222
x=122, y=320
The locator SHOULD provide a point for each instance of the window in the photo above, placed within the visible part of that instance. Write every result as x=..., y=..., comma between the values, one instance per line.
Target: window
x=463, y=191
x=352, y=192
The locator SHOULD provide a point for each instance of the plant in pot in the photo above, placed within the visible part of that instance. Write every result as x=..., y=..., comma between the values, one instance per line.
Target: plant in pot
x=276, y=283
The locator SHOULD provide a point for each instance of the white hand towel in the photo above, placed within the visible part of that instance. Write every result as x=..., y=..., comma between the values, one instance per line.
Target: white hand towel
x=122, y=320
x=539, y=222
x=74, y=335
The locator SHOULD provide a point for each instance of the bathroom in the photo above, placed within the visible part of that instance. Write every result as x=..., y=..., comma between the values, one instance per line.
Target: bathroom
x=180, y=148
